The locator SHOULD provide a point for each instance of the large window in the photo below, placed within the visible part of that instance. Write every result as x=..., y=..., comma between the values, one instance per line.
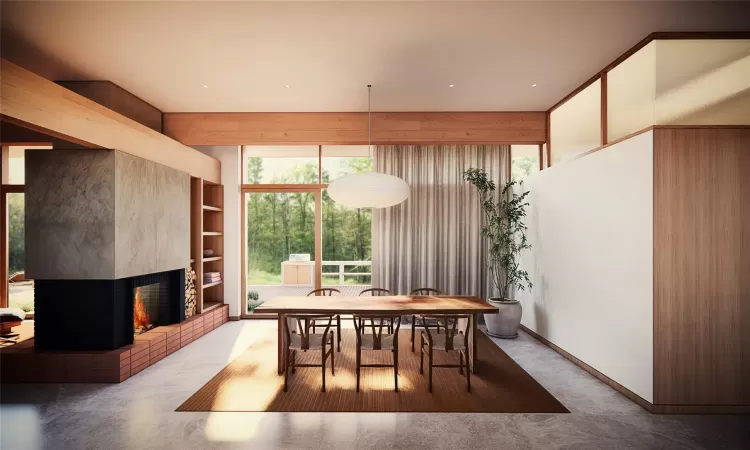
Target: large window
x=281, y=164
x=20, y=290
x=296, y=238
x=17, y=290
x=347, y=245
x=524, y=160
x=340, y=160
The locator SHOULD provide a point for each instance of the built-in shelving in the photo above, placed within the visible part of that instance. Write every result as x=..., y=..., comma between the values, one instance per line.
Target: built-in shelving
x=208, y=306
x=215, y=283
x=207, y=233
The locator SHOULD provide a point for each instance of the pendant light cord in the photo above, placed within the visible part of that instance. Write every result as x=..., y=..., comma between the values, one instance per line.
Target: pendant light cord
x=369, y=121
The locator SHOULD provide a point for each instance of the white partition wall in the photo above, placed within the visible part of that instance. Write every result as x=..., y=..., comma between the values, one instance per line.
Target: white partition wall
x=591, y=226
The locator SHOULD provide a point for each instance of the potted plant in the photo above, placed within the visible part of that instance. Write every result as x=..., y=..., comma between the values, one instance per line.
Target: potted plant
x=252, y=301
x=505, y=234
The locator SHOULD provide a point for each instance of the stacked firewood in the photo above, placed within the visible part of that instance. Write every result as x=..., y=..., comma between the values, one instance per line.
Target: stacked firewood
x=190, y=277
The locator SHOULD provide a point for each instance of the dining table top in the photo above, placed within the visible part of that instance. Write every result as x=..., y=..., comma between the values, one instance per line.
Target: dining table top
x=441, y=304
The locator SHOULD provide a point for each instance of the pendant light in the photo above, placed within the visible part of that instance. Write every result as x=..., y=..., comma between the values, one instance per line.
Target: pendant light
x=368, y=189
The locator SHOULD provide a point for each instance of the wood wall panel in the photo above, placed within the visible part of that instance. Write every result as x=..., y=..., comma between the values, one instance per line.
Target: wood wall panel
x=37, y=103
x=702, y=266
x=351, y=128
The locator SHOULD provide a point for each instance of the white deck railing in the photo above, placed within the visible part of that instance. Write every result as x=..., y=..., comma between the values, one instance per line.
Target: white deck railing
x=303, y=272
x=341, y=272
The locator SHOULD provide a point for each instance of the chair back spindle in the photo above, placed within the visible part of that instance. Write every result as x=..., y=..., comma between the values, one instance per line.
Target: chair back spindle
x=375, y=292
x=378, y=323
x=426, y=291
x=451, y=325
x=325, y=292
x=303, y=324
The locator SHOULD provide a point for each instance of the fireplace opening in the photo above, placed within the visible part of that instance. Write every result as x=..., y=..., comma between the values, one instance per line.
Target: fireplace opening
x=148, y=303
x=105, y=314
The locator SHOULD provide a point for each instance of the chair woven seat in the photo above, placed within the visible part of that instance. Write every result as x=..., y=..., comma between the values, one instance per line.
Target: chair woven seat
x=316, y=341
x=438, y=341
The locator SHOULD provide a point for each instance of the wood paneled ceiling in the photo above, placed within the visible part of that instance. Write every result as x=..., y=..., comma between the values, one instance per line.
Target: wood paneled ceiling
x=246, y=53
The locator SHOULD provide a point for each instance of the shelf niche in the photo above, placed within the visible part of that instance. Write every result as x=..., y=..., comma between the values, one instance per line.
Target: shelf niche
x=207, y=232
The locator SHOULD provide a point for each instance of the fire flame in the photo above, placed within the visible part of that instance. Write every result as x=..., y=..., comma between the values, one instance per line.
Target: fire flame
x=140, y=316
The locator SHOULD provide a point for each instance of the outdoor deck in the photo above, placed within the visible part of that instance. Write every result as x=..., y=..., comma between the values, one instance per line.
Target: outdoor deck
x=267, y=292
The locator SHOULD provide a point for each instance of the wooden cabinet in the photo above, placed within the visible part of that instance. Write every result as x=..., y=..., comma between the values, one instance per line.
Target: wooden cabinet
x=297, y=272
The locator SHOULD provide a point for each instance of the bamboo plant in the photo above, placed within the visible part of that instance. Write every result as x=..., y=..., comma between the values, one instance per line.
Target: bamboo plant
x=504, y=231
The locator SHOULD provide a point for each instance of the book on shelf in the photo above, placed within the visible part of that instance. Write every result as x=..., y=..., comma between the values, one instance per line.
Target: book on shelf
x=211, y=278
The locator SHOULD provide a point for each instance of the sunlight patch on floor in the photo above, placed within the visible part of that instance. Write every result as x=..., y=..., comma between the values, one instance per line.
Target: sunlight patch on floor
x=233, y=427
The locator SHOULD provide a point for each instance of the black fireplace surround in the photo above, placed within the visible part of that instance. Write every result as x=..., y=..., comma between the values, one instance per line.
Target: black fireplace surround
x=98, y=314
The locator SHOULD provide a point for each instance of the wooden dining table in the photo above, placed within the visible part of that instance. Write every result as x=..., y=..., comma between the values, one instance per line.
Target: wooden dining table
x=402, y=304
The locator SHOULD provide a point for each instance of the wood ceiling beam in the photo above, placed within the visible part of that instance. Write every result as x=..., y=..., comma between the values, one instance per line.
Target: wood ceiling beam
x=28, y=100
x=351, y=128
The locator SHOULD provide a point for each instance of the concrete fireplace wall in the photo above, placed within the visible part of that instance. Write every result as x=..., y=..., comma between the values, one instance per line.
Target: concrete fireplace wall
x=104, y=214
x=152, y=217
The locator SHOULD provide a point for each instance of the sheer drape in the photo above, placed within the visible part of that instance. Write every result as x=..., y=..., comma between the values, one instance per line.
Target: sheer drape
x=433, y=239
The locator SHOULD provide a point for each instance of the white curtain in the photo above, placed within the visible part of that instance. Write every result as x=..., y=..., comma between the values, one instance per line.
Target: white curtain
x=433, y=239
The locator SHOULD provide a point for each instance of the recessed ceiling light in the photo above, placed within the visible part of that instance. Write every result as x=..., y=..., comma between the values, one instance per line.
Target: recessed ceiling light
x=288, y=86
x=451, y=85
x=205, y=86
x=533, y=85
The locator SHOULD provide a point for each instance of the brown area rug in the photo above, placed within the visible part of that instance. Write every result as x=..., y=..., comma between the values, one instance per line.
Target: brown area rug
x=250, y=383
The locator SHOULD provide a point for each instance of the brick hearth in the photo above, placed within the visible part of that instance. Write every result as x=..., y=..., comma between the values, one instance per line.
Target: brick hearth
x=21, y=363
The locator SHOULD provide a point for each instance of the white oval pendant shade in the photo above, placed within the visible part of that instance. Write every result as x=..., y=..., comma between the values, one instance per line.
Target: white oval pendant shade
x=368, y=190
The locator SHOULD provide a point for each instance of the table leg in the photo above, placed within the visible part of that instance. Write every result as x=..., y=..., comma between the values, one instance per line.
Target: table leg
x=473, y=343
x=281, y=344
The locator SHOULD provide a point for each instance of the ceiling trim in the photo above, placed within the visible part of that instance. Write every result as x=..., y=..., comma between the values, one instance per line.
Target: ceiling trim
x=388, y=128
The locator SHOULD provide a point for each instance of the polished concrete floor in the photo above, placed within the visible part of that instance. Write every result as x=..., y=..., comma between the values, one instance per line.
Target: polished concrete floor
x=139, y=414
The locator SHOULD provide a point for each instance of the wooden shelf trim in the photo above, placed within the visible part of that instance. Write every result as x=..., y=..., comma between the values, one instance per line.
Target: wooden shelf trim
x=212, y=233
x=213, y=258
x=208, y=306
x=211, y=208
x=215, y=283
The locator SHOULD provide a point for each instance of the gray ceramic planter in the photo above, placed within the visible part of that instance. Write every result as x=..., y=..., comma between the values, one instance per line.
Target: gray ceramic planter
x=505, y=323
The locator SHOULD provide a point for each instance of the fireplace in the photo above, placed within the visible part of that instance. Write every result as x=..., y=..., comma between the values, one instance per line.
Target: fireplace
x=102, y=314
x=150, y=303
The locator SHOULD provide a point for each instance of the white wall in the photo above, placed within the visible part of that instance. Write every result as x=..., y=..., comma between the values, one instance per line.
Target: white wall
x=591, y=226
x=230, y=178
